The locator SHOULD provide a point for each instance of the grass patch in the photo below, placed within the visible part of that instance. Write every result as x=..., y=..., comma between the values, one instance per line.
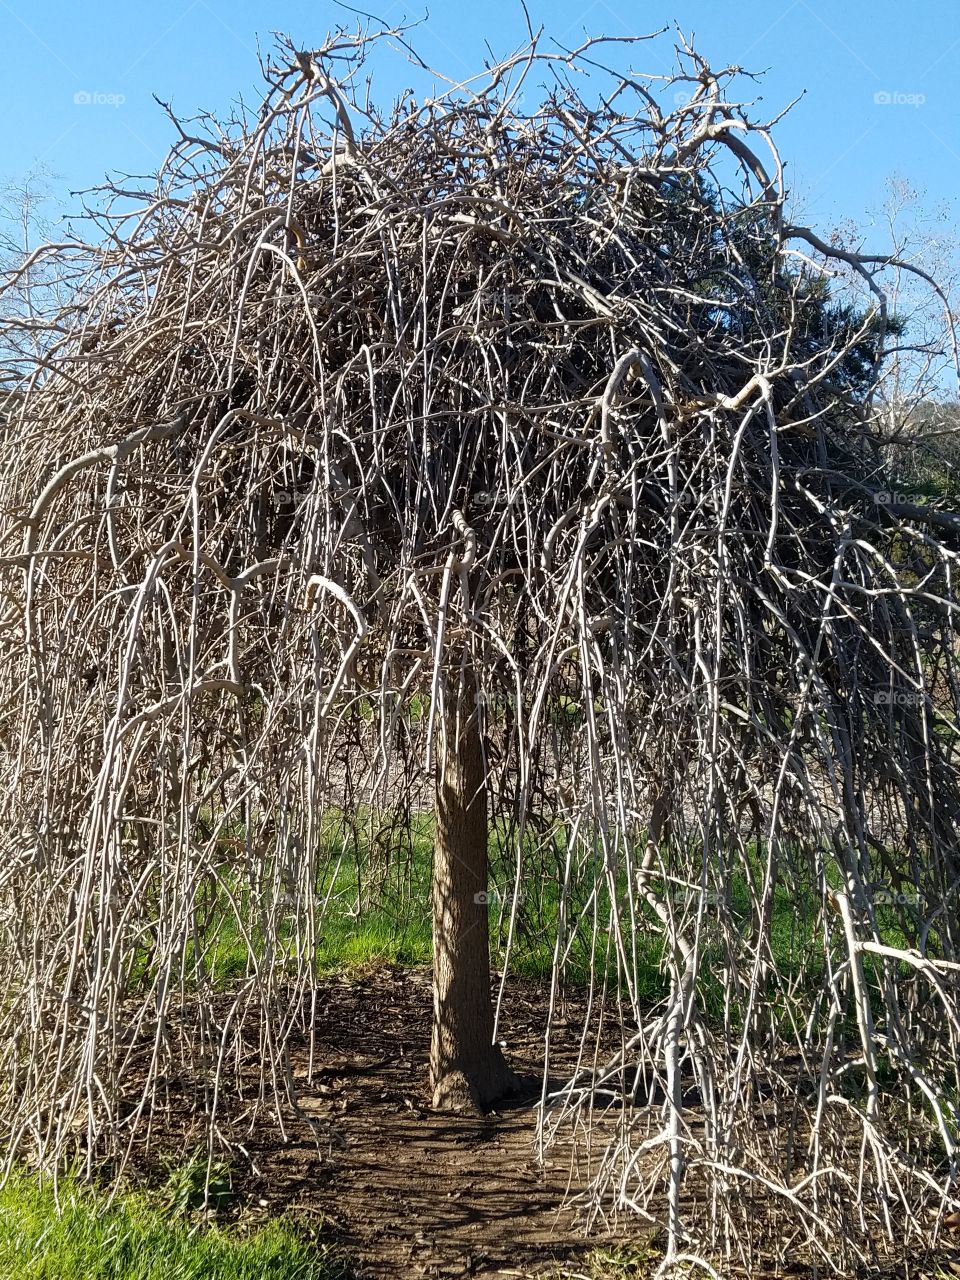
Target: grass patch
x=135, y=1238
x=634, y=1263
x=374, y=898
x=372, y=905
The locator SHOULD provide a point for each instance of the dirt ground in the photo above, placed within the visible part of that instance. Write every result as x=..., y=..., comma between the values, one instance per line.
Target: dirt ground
x=408, y=1192
x=404, y=1192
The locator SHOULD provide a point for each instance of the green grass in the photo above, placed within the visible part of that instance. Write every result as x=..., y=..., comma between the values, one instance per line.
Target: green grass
x=373, y=894
x=377, y=909
x=137, y=1238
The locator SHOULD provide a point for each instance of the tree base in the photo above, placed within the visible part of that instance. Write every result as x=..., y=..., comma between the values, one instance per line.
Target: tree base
x=454, y=1090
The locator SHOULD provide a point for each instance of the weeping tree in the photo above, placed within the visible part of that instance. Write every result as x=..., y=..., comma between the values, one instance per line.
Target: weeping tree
x=519, y=462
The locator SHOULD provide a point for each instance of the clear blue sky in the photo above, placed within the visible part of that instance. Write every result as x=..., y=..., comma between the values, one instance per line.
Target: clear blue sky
x=839, y=142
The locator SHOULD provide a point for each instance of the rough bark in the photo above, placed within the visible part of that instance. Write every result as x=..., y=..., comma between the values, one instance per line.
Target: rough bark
x=467, y=1070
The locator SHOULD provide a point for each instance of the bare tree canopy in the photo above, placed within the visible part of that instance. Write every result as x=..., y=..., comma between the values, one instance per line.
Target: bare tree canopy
x=541, y=418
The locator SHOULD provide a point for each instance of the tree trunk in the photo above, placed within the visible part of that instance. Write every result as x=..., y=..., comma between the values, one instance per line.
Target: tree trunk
x=467, y=1070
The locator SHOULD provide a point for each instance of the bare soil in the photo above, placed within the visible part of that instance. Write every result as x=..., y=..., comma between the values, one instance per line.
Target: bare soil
x=406, y=1191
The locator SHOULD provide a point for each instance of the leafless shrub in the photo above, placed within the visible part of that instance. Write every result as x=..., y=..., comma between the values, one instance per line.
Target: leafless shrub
x=344, y=395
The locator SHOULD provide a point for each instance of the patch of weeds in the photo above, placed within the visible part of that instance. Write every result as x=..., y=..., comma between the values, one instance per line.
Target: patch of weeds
x=188, y=1188
x=634, y=1262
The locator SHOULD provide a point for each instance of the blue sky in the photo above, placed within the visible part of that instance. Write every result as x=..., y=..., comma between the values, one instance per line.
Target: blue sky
x=840, y=143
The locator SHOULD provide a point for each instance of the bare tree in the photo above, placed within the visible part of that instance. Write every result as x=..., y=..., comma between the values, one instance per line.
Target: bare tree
x=505, y=453
x=914, y=419
x=33, y=293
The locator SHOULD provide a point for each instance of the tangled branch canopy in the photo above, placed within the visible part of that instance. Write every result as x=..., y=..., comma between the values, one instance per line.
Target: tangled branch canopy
x=346, y=401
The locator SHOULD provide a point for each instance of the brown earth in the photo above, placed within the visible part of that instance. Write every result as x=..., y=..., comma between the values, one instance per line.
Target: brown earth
x=403, y=1191
x=408, y=1192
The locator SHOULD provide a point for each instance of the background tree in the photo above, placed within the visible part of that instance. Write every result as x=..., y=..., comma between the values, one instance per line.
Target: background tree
x=32, y=295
